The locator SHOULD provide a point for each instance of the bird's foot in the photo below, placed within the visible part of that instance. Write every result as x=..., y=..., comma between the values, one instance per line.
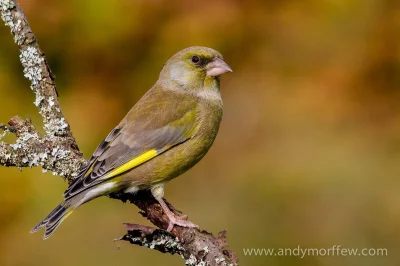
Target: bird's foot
x=174, y=219
x=180, y=221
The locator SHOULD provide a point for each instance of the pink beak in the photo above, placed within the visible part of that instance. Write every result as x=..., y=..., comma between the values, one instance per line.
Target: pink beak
x=217, y=67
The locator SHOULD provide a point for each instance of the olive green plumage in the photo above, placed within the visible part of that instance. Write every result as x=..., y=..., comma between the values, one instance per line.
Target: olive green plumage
x=167, y=132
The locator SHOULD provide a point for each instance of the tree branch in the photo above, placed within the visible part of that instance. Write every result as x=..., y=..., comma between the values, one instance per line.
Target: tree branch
x=57, y=151
x=197, y=247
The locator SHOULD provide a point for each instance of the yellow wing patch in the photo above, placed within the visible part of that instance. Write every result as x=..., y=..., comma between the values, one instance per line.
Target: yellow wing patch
x=144, y=157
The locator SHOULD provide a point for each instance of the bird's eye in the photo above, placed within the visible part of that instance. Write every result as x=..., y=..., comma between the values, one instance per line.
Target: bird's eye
x=195, y=59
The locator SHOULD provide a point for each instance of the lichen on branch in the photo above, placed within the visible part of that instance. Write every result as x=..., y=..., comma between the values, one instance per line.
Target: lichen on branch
x=57, y=150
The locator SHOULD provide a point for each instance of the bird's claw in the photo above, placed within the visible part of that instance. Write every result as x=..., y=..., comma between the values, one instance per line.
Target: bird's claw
x=180, y=221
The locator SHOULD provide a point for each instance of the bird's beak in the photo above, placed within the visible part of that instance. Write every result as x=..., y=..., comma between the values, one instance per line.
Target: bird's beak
x=217, y=67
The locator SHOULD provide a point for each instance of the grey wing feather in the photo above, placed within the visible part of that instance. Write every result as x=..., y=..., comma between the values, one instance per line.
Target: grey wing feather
x=103, y=146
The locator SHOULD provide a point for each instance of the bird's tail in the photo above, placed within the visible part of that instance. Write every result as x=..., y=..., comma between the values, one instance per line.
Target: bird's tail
x=54, y=219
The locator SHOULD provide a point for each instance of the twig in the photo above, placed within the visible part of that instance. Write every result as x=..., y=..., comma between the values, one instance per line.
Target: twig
x=58, y=152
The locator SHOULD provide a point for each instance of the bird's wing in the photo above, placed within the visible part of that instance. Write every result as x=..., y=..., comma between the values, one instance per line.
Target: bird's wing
x=140, y=137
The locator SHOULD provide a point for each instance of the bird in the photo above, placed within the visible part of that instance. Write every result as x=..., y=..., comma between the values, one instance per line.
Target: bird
x=165, y=133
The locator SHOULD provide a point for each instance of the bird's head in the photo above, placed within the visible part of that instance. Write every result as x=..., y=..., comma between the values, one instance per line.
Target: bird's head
x=195, y=68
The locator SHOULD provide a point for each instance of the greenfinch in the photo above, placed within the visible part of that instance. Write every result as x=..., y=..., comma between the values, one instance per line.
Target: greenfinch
x=165, y=133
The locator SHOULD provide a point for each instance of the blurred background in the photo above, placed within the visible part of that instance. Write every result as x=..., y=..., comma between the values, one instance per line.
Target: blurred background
x=307, y=154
